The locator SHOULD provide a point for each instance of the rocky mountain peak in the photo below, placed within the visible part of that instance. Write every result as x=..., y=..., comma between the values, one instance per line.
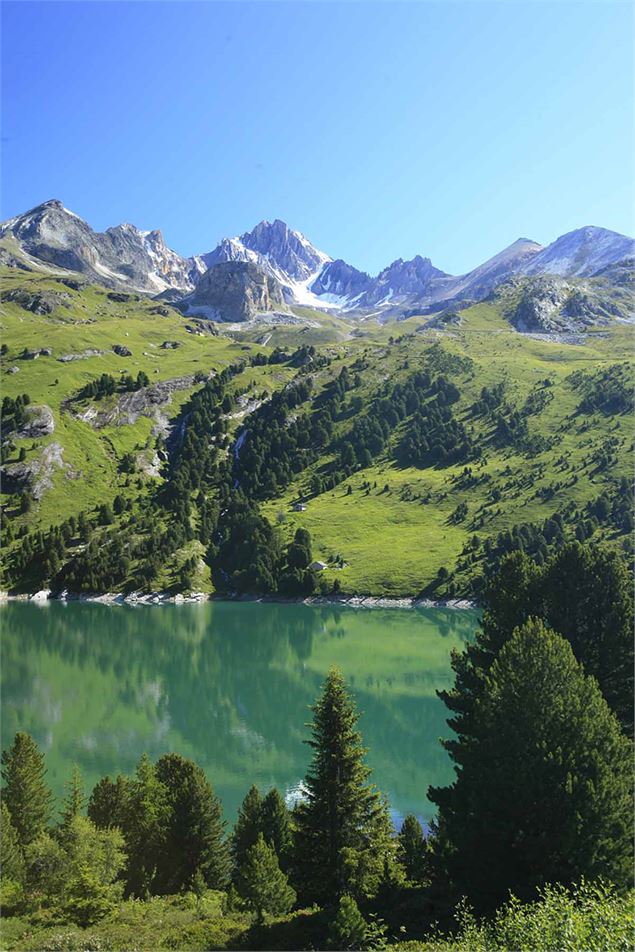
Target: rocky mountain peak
x=287, y=250
x=234, y=291
x=122, y=257
x=581, y=253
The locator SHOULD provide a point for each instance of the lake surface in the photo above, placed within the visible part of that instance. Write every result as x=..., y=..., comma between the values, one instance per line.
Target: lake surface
x=229, y=685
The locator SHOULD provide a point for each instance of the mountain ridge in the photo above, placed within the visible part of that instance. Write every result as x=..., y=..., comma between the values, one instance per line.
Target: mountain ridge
x=124, y=257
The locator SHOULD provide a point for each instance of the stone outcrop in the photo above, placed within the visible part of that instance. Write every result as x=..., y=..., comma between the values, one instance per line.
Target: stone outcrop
x=234, y=291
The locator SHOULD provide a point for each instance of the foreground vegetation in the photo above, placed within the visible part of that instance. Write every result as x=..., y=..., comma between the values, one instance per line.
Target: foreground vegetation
x=412, y=458
x=541, y=808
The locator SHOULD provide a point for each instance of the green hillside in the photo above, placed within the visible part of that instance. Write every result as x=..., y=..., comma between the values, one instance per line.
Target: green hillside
x=532, y=427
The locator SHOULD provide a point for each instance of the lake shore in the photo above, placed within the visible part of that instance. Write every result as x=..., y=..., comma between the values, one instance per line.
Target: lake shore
x=163, y=598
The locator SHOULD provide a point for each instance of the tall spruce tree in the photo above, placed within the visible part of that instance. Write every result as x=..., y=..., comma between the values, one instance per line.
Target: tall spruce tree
x=195, y=831
x=584, y=593
x=412, y=850
x=343, y=838
x=248, y=826
x=145, y=820
x=107, y=803
x=261, y=883
x=25, y=792
x=276, y=826
x=74, y=799
x=543, y=791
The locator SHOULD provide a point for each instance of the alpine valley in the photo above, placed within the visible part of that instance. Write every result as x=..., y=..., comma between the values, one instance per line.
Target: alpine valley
x=264, y=419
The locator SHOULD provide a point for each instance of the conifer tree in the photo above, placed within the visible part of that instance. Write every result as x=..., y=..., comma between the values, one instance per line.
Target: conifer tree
x=584, y=593
x=543, y=791
x=107, y=803
x=412, y=850
x=73, y=803
x=195, y=830
x=276, y=826
x=344, y=835
x=348, y=929
x=145, y=819
x=262, y=884
x=25, y=791
x=248, y=826
x=11, y=858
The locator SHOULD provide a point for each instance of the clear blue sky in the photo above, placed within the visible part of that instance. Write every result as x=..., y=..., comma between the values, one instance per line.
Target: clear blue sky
x=380, y=130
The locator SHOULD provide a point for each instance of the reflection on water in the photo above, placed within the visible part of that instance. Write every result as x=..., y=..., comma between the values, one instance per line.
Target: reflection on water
x=228, y=684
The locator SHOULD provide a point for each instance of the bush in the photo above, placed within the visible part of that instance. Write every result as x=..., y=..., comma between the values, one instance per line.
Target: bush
x=590, y=916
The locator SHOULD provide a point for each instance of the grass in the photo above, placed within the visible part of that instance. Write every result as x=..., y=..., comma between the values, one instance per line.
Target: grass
x=393, y=540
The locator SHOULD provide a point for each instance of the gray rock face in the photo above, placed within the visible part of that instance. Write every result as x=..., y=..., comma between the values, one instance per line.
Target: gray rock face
x=341, y=280
x=128, y=260
x=35, y=476
x=37, y=302
x=284, y=254
x=40, y=422
x=480, y=282
x=291, y=251
x=402, y=281
x=84, y=355
x=549, y=304
x=128, y=407
x=119, y=257
x=581, y=253
x=234, y=291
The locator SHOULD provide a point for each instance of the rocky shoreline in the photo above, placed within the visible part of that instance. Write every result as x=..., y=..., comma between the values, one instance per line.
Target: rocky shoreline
x=163, y=598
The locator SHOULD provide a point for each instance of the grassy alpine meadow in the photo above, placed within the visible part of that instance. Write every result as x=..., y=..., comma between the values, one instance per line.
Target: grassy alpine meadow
x=392, y=525
x=387, y=528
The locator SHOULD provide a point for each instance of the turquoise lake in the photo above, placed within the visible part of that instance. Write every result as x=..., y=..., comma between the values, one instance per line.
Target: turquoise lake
x=229, y=685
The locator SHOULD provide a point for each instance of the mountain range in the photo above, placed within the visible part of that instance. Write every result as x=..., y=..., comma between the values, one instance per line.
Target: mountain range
x=274, y=267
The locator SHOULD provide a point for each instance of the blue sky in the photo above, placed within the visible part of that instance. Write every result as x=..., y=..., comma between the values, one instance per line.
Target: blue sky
x=380, y=130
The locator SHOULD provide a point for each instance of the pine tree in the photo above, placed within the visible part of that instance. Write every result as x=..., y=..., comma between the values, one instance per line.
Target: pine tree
x=344, y=835
x=276, y=826
x=248, y=826
x=73, y=803
x=348, y=929
x=25, y=791
x=107, y=803
x=144, y=825
x=94, y=860
x=583, y=592
x=11, y=858
x=543, y=786
x=195, y=830
x=262, y=884
x=412, y=850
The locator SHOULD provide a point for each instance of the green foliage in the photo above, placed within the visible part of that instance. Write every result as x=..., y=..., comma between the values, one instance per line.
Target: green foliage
x=25, y=791
x=413, y=851
x=584, y=593
x=591, y=916
x=343, y=832
x=77, y=875
x=276, y=826
x=261, y=883
x=11, y=857
x=269, y=817
x=107, y=803
x=145, y=818
x=195, y=830
x=348, y=929
x=543, y=788
x=87, y=899
x=247, y=827
x=74, y=800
